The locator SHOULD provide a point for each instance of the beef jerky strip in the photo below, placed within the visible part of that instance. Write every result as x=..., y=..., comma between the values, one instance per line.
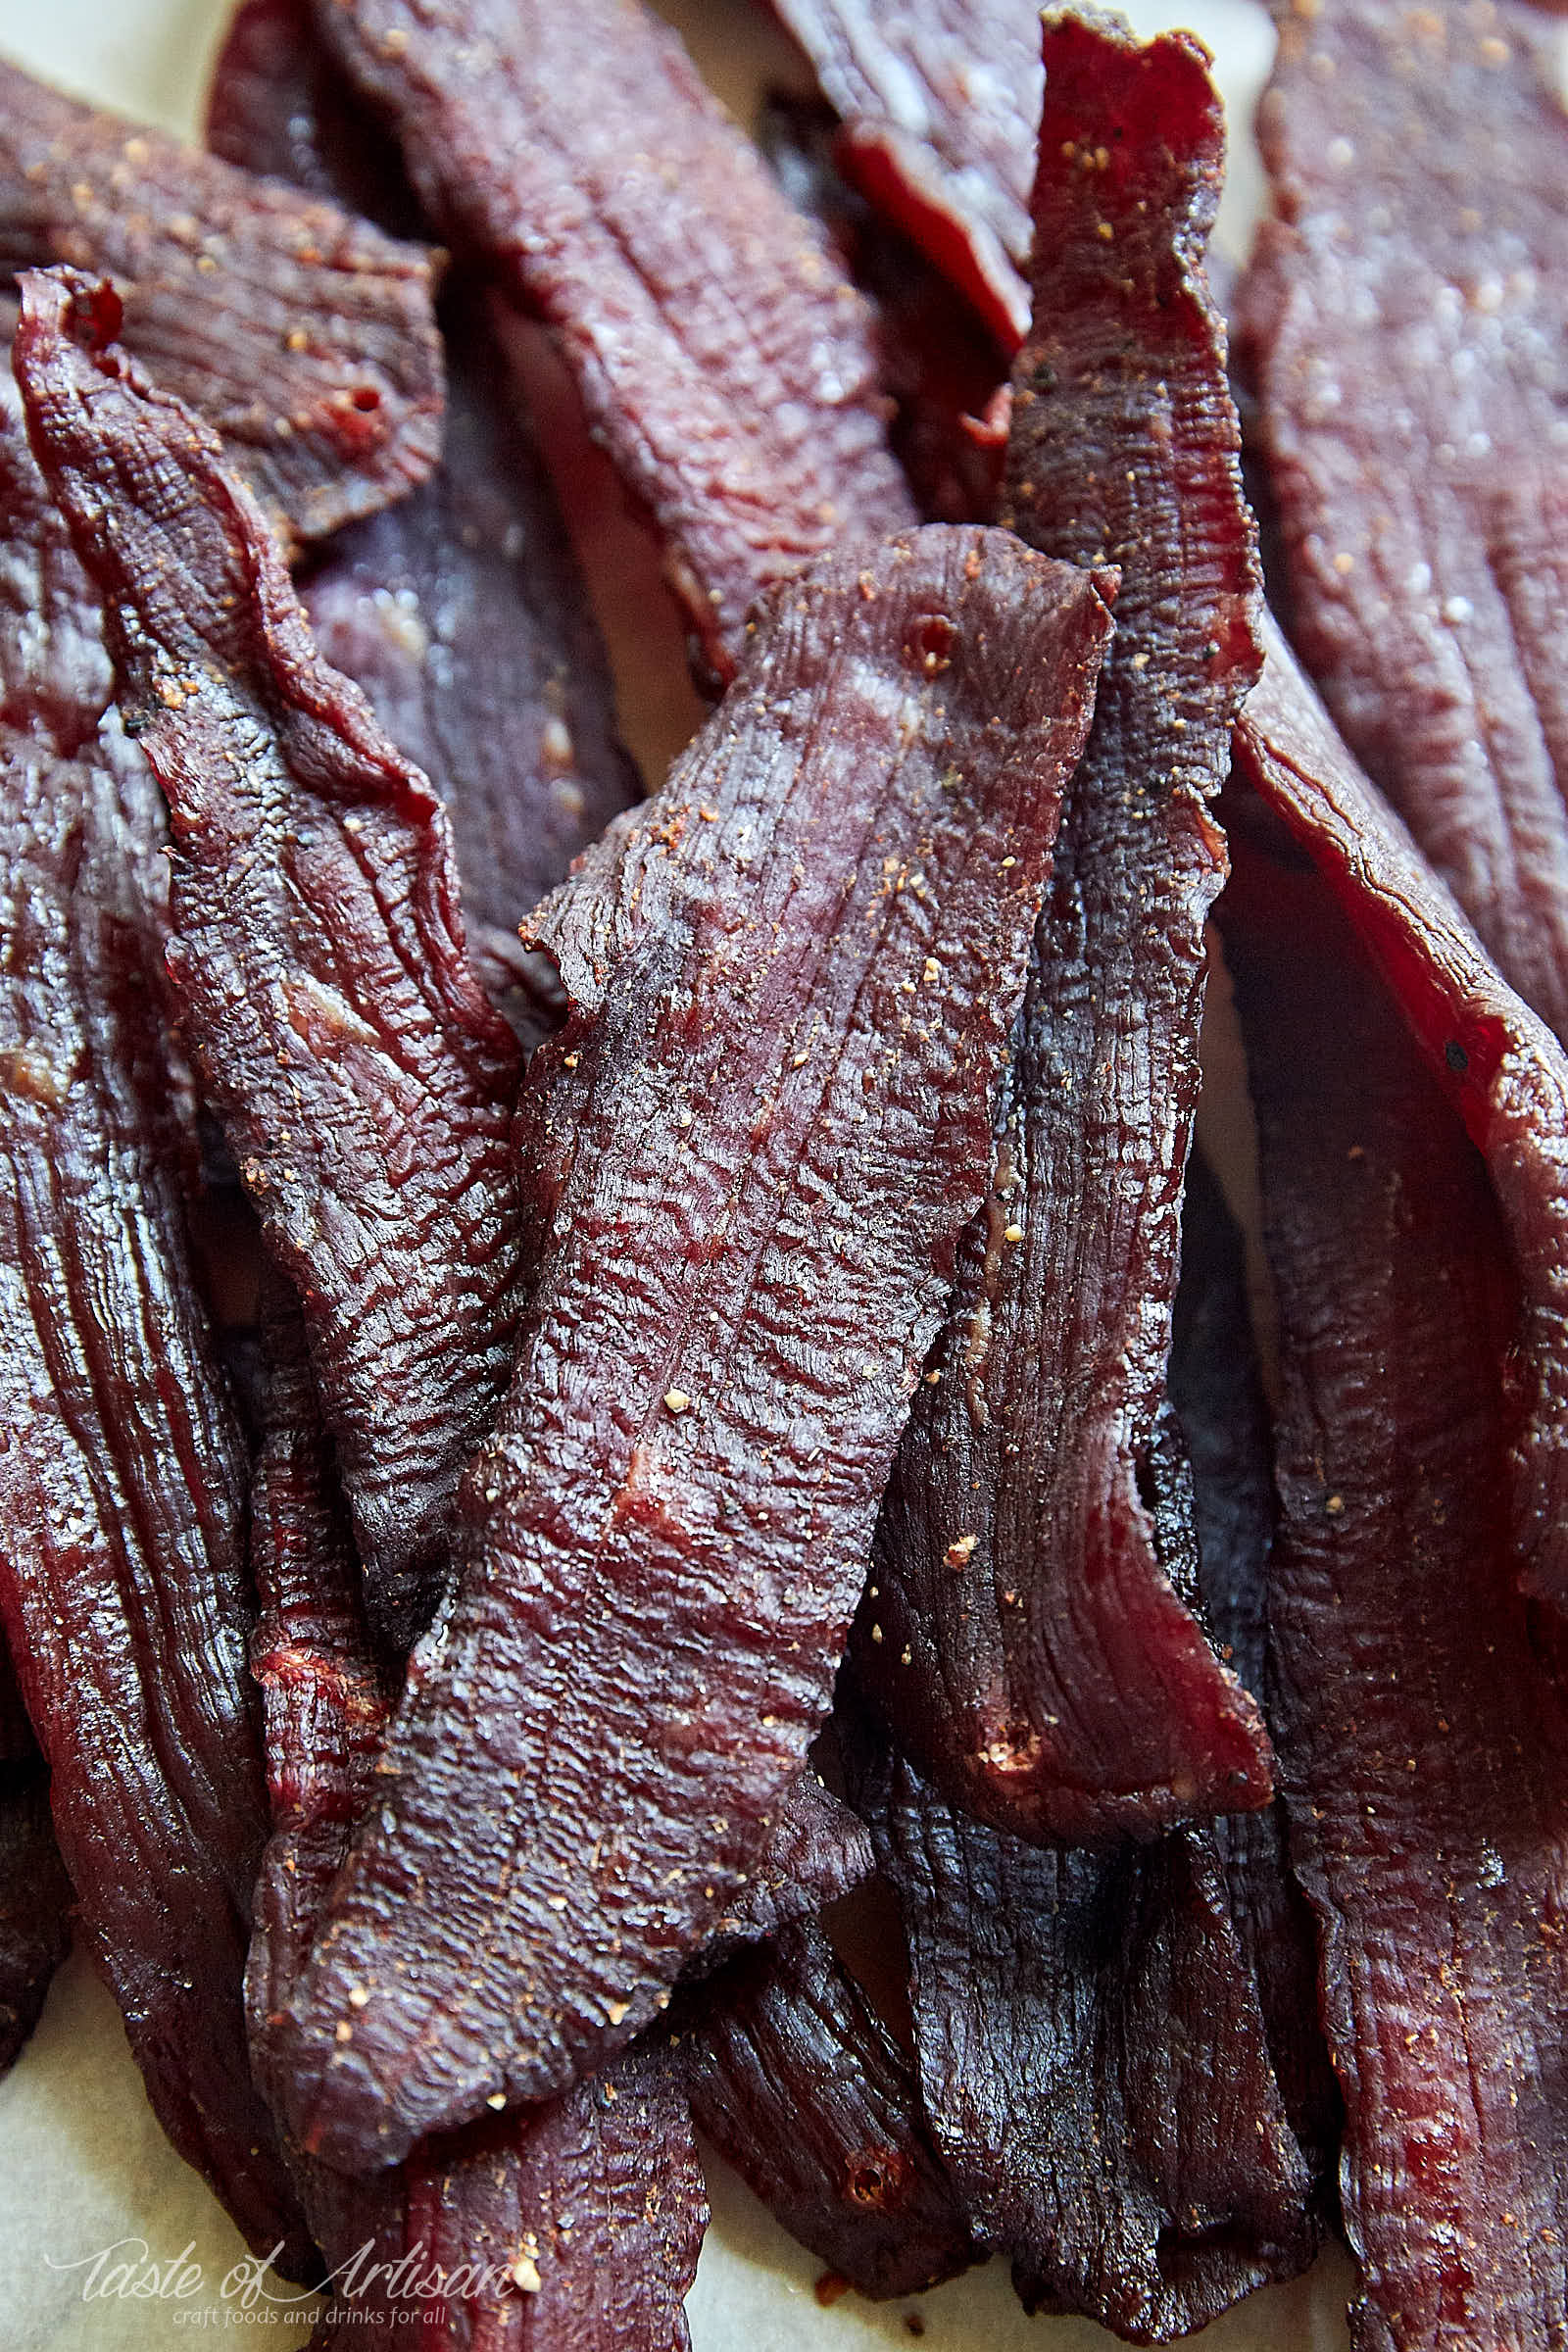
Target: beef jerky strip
x=1023, y=1639
x=941, y=102
x=941, y=369
x=1095, y=2064
x=749, y=1153
x=1216, y=1394
x=460, y=610
x=799, y=2083
x=721, y=355
x=560, y=2227
x=1423, y=1746
x=121, y=1478
x=364, y=1081
x=304, y=335
x=1498, y=1064
x=1406, y=320
x=34, y=1891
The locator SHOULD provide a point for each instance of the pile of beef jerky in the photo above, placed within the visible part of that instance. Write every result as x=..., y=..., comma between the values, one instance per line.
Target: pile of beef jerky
x=746, y=1392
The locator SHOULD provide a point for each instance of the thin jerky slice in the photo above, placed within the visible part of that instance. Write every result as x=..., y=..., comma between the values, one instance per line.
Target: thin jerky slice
x=750, y=1153
x=462, y=615
x=1095, y=2064
x=942, y=370
x=461, y=612
x=722, y=357
x=1498, y=1064
x=941, y=103
x=1023, y=1639
x=555, y=2227
x=364, y=1082
x=1216, y=1394
x=304, y=335
x=122, y=1479
x=1406, y=322
x=1423, y=1746
x=795, y=2079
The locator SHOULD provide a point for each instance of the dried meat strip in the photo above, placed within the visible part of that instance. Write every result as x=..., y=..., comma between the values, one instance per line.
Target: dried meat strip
x=459, y=610
x=795, y=2079
x=1094, y=2063
x=34, y=1891
x=1025, y=1640
x=721, y=355
x=750, y=1153
x=1406, y=322
x=580, y=2225
x=121, y=1480
x=364, y=1081
x=305, y=336
x=941, y=103
x=462, y=615
x=1422, y=1739
x=1499, y=1065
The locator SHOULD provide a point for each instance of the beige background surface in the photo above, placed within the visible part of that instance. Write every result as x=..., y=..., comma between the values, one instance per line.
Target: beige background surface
x=84, y=2164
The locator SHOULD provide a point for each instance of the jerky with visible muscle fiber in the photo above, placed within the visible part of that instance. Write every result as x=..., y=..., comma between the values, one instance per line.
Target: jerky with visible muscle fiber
x=588, y=2214
x=1422, y=1739
x=1095, y=2064
x=722, y=357
x=121, y=1478
x=305, y=336
x=750, y=1153
x=1023, y=1639
x=364, y=1082
x=795, y=2079
x=1407, y=319
x=459, y=610
x=941, y=106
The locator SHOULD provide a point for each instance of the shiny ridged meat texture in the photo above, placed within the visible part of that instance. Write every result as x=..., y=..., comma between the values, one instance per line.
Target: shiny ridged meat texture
x=1025, y=1640
x=941, y=103
x=1419, y=1719
x=1405, y=321
x=364, y=1081
x=1500, y=1066
x=121, y=1480
x=796, y=2079
x=305, y=336
x=574, y=2225
x=722, y=357
x=459, y=610
x=748, y=1155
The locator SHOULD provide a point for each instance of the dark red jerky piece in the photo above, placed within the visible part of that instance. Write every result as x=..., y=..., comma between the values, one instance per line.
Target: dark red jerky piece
x=462, y=615
x=941, y=369
x=1024, y=1640
x=1407, y=322
x=816, y=1852
x=1499, y=1067
x=278, y=104
x=122, y=1481
x=941, y=103
x=1423, y=1747
x=364, y=1082
x=722, y=357
x=750, y=1153
x=1094, y=2064
x=460, y=610
x=795, y=2079
x=304, y=335
x=1217, y=1397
